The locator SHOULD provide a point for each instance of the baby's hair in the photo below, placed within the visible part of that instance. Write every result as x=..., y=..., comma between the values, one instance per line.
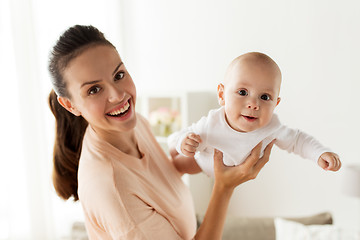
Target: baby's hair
x=255, y=57
x=70, y=129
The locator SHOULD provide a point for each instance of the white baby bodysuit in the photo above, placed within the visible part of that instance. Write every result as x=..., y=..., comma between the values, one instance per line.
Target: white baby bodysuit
x=236, y=146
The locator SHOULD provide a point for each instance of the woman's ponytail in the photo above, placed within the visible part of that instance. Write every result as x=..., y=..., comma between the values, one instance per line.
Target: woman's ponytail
x=69, y=134
x=70, y=129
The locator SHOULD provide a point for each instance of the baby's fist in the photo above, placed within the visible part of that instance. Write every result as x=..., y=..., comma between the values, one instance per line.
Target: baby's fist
x=190, y=144
x=329, y=161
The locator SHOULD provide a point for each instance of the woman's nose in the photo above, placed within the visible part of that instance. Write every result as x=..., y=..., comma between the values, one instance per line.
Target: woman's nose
x=115, y=94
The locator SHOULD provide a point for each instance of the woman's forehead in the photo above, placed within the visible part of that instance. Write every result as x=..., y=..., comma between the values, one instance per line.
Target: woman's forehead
x=97, y=55
x=92, y=63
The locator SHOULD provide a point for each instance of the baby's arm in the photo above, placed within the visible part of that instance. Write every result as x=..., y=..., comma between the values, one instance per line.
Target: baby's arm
x=183, y=145
x=184, y=164
x=183, y=141
x=300, y=143
x=189, y=144
x=329, y=161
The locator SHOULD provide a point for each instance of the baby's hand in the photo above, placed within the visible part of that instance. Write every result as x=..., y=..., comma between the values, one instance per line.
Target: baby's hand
x=329, y=161
x=190, y=144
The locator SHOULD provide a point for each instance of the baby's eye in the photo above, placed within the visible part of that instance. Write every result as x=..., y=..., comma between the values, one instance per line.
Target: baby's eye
x=265, y=97
x=119, y=75
x=243, y=92
x=94, y=90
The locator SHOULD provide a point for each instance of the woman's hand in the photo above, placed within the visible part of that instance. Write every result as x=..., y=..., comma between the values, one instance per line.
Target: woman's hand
x=226, y=179
x=230, y=177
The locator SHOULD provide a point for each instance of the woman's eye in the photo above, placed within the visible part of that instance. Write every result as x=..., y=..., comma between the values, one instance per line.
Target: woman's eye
x=265, y=97
x=243, y=92
x=119, y=76
x=94, y=90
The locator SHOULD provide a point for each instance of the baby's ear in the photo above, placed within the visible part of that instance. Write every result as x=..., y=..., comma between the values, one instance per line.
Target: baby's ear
x=278, y=101
x=221, y=94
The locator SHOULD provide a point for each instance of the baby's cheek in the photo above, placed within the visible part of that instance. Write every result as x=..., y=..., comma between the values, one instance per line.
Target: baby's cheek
x=265, y=121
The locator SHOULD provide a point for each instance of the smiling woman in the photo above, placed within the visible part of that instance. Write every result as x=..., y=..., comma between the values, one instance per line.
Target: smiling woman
x=80, y=55
x=29, y=208
x=73, y=53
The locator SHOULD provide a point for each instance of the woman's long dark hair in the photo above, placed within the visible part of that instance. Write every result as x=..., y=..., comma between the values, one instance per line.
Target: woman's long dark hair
x=70, y=129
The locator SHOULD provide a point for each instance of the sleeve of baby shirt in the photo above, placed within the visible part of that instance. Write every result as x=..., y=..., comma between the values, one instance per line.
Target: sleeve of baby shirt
x=300, y=143
x=176, y=138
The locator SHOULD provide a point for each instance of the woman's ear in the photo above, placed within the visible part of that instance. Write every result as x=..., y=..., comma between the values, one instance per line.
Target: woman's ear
x=221, y=95
x=67, y=104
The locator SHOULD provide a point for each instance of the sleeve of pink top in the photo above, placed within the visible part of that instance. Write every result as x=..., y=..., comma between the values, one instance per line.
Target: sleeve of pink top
x=112, y=221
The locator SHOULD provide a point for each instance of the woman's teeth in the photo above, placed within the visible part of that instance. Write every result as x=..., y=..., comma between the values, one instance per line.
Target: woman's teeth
x=122, y=110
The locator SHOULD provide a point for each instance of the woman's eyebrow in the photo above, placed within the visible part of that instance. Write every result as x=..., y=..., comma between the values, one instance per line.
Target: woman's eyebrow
x=89, y=83
x=96, y=81
x=117, y=68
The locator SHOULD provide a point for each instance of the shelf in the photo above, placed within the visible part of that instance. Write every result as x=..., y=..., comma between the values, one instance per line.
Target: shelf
x=190, y=106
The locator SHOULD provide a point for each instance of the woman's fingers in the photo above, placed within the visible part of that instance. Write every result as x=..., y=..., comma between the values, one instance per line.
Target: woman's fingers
x=265, y=158
x=254, y=156
x=249, y=169
x=218, y=159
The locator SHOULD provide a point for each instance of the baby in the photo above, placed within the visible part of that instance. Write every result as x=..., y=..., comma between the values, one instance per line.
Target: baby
x=248, y=97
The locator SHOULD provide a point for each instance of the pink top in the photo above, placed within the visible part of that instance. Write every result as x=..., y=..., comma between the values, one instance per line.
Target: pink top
x=124, y=197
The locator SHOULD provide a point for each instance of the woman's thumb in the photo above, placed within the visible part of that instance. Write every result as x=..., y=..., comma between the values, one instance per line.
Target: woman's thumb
x=218, y=158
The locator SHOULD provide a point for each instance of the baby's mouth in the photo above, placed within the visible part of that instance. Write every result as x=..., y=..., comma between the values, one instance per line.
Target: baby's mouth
x=249, y=118
x=120, y=111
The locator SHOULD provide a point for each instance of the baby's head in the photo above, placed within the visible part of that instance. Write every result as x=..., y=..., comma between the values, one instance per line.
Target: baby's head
x=250, y=91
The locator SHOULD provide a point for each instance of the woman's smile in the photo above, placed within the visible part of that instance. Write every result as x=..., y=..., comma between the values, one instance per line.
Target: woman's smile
x=119, y=109
x=121, y=112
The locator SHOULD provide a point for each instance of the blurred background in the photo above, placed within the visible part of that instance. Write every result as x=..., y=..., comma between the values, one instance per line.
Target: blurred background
x=183, y=46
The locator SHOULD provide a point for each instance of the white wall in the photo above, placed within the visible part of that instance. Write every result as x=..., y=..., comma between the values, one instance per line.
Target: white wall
x=36, y=26
x=186, y=45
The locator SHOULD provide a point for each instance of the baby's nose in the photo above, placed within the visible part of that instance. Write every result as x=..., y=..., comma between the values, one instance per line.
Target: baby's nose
x=253, y=104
